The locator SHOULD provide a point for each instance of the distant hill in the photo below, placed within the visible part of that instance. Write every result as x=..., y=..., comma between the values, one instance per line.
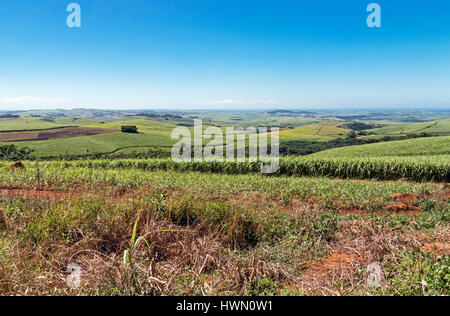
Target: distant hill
x=289, y=112
x=437, y=128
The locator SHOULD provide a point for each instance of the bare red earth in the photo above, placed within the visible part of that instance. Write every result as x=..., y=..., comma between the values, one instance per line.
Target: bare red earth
x=402, y=207
x=334, y=262
x=404, y=197
x=27, y=193
x=438, y=248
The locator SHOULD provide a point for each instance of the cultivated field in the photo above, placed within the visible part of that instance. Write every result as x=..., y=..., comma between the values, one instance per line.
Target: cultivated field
x=197, y=233
x=106, y=143
x=437, y=128
x=425, y=168
x=319, y=132
x=429, y=146
x=155, y=134
x=98, y=136
x=153, y=226
x=56, y=133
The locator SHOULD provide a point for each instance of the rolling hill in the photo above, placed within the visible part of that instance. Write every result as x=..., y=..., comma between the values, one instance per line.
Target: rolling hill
x=106, y=143
x=151, y=135
x=314, y=132
x=429, y=146
x=436, y=128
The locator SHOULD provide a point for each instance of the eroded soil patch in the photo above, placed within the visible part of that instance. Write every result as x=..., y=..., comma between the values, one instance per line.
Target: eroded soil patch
x=334, y=262
x=36, y=193
x=438, y=248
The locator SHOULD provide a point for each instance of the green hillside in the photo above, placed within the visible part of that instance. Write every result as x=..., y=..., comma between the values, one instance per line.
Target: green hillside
x=28, y=123
x=95, y=144
x=412, y=147
x=151, y=134
x=144, y=126
x=437, y=128
x=314, y=132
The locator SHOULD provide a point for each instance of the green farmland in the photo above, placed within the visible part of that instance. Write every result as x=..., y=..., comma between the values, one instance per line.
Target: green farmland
x=314, y=132
x=27, y=123
x=436, y=128
x=151, y=135
x=96, y=144
x=430, y=146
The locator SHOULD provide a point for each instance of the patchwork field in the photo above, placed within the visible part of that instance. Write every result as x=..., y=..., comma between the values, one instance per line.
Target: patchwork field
x=28, y=123
x=57, y=133
x=436, y=128
x=92, y=138
x=317, y=132
x=95, y=136
x=106, y=143
x=144, y=126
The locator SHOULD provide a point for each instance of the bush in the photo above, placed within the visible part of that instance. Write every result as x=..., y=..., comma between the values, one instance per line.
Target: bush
x=130, y=129
x=12, y=153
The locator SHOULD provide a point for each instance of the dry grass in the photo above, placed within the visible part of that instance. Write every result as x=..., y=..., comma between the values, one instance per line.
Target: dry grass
x=198, y=245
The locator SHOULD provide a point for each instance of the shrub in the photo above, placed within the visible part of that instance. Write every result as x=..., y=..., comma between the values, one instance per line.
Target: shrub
x=12, y=153
x=129, y=129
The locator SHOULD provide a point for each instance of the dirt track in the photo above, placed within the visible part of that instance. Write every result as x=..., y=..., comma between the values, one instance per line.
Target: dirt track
x=65, y=132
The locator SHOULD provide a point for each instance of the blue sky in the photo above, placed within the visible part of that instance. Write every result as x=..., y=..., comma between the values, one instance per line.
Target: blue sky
x=224, y=54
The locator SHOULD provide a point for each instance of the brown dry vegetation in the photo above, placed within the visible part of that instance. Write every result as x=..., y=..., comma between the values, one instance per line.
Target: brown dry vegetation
x=209, y=244
x=64, y=132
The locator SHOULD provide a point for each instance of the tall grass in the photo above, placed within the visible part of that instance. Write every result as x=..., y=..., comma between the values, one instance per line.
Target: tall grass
x=436, y=168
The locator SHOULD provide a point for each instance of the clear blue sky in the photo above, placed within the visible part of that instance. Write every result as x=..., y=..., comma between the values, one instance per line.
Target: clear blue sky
x=224, y=54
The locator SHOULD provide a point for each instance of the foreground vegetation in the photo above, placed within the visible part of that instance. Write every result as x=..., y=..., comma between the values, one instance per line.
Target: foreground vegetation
x=216, y=234
x=158, y=227
x=434, y=168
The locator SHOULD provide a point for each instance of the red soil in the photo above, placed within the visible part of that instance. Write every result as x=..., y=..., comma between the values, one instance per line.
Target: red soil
x=334, y=262
x=387, y=212
x=402, y=207
x=404, y=197
x=438, y=248
x=27, y=193
x=34, y=193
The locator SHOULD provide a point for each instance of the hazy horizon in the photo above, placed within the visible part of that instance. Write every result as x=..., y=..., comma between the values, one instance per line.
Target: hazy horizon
x=268, y=109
